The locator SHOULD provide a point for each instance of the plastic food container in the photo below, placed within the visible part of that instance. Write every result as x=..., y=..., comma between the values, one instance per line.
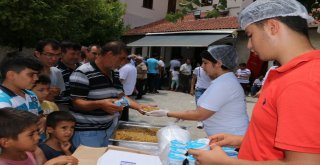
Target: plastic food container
x=191, y=160
x=175, y=159
x=230, y=152
x=198, y=145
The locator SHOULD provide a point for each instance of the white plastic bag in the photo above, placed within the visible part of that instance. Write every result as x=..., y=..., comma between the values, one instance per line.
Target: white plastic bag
x=167, y=134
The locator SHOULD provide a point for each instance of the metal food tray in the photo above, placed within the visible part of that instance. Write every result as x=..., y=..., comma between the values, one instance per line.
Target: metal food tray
x=145, y=146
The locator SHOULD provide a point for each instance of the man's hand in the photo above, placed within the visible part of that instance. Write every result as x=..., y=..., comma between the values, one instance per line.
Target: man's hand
x=158, y=113
x=62, y=160
x=110, y=107
x=226, y=140
x=215, y=156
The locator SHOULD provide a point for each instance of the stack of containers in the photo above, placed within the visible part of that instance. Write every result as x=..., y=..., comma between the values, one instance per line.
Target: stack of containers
x=178, y=151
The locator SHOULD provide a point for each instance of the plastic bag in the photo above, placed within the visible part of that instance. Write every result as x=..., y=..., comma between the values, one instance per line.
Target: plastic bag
x=167, y=134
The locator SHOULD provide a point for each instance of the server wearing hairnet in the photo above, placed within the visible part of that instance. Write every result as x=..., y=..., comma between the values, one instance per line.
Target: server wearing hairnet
x=285, y=120
x=222, y=107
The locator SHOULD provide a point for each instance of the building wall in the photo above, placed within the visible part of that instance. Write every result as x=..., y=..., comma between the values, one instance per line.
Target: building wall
x=136, y=15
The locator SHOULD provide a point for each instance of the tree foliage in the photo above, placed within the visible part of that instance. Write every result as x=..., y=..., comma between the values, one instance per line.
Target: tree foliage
x=24, y=22
x=188, y=6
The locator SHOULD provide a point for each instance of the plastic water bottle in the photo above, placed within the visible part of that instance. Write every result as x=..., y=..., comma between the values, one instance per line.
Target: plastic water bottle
x=122, y=102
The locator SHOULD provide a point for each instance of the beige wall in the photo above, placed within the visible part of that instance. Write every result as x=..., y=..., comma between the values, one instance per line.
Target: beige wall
x=136, y=15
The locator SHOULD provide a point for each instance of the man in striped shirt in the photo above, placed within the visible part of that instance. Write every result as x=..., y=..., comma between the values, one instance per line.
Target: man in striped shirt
x=94, y=86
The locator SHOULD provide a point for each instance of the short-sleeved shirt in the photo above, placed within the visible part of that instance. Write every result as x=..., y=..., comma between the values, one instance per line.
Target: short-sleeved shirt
x=287, y=114
x=186, y=69
x=203, y=80
x=29, y=161
x=243, y=72
x=49, y=107
x=175, y=75
x=29, y=103
x=174, y=63
x=128, y=73
x=142, y=71
x=152, y=66
x=66, y=73
x=56, y=78
x=89, y=83
x=226, y=98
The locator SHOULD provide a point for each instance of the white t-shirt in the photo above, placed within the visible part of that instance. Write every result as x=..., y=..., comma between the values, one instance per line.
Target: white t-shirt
x=244, y=72
x=128, y=73
x=226, y=98
x=174, y=63
x=257, y=82
x=56, y=78
x=203, y=80
x=186, y=69
x=161, y=63
x=175, y=75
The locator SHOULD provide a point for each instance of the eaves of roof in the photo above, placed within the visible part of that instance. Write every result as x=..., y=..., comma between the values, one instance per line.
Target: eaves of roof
x=187, y=24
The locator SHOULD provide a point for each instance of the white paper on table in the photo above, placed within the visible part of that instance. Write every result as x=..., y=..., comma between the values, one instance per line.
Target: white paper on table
x=114, y=157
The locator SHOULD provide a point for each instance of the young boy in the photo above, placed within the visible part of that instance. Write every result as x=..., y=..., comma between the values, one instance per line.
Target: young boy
x=19, y=72
x=41, y=88
x=19, y=138
x=175, y=79
x=60, y=127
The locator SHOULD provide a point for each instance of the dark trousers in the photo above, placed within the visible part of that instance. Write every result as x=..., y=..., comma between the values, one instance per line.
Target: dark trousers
x=139, y=86
x=152, y=82
x=125, y=114
x=185, y=83
x=246, y=88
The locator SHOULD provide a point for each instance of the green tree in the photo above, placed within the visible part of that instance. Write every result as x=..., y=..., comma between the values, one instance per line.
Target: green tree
x=24, y=22
x=188, y=6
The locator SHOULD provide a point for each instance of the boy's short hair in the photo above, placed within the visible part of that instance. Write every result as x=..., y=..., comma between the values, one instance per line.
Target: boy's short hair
x=42, y=79
x=13, y=122
x=65, y=45
x=18, y=61
x=57, y=116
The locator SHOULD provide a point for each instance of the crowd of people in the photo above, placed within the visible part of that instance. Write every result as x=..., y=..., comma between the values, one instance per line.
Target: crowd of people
x=66, y=95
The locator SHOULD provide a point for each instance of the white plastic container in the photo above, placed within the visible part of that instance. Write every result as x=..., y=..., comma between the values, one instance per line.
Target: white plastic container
x=230, y=152
x=198, y=145
x=175, y=159
x=191, y=160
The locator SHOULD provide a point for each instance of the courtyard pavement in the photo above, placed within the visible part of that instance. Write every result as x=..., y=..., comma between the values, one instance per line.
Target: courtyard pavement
x=176, y=101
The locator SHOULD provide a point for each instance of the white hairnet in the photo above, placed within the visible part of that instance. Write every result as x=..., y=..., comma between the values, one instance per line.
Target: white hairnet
x=264, y=9
x=224, y=53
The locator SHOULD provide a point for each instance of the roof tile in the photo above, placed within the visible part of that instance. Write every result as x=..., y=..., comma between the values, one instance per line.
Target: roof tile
x=189, y=23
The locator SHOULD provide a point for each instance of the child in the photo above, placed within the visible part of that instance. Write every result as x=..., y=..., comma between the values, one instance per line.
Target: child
x=175, y=78
x=60, y=127
x=19, y=72
x=256, y=86
x=19, y=138
x=41, y=89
